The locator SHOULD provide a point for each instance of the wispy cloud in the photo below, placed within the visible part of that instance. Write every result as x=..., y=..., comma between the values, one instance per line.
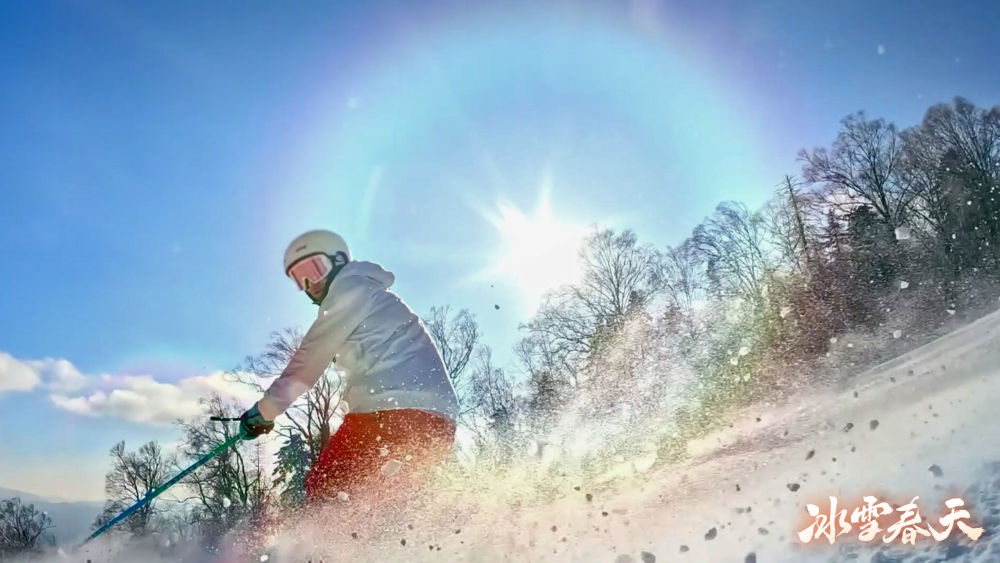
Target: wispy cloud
x=136, y=398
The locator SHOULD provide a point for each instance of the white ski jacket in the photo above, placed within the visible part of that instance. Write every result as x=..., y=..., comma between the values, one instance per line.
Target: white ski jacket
x=376, y=341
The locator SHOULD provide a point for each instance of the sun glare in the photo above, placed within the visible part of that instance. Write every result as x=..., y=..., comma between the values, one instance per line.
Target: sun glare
x=538, y=252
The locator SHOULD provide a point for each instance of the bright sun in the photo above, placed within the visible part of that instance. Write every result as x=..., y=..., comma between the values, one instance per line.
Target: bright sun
x=539, y=253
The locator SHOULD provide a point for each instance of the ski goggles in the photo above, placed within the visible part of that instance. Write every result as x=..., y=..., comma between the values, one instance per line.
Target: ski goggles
x=311, y=270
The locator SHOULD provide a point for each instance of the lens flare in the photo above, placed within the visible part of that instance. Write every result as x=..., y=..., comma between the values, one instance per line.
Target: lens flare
x=538, y=251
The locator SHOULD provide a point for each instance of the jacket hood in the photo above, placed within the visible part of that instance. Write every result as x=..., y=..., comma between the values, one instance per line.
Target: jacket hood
x=369, y=270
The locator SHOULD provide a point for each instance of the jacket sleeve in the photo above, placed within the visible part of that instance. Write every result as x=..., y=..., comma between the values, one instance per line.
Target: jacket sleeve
x=320, y=345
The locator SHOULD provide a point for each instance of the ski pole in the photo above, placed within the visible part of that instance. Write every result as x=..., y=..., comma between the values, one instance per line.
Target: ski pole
x=159, y=490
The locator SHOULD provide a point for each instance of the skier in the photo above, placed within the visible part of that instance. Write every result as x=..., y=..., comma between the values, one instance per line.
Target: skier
x=401, y=403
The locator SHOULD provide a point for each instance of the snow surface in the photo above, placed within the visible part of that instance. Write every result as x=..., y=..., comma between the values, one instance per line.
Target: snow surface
x=923, y=424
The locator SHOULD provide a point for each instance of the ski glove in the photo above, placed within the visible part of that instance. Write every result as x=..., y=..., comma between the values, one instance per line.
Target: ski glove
x=253, y=424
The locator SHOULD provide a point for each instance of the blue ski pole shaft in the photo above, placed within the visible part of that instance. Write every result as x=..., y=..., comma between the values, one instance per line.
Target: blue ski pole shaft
x=159, y=490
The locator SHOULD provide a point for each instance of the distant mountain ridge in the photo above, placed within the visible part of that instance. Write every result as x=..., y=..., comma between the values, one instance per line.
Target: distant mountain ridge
x=72, y=519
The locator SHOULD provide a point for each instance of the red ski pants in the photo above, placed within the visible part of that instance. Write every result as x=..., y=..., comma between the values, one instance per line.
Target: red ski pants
x=380, y=457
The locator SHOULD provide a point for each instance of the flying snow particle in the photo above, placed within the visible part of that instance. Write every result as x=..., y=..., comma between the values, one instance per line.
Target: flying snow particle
x=383, y=452
x=226, y=503
x=902, y=233
x=833, y=340
x=897, y=333
x=784, y=311
x=881, y=49
x=264, y=557
x=645, y=460
x=904, y=284
x=343, y=496
x=533, y=448
x=733, y=361
x=744, y=350
x=391, y=467
x=950, y=311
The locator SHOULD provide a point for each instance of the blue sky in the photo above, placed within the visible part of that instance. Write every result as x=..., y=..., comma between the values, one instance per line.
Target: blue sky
x=157, y=157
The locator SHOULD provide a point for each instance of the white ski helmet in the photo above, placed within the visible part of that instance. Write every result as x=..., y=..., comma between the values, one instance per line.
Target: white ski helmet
x=317, y=242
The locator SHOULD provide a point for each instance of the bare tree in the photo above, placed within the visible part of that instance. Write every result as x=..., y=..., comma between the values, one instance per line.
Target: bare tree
x=307, y=424
x=864, y=164
x=954, y=158
x=232, y=486
x=972, y=132
x=562, y=337
x=456, y=338
x=922, y=168
x=549, y=380
x=22, y=528
x=313, y=414
x=132, y=475
x=619, y=276
x=682, y=276
x=792, y=219
x=496, y=410
x=732, y=244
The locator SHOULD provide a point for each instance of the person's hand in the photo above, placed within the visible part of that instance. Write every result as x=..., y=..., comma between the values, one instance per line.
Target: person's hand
x=253, y=424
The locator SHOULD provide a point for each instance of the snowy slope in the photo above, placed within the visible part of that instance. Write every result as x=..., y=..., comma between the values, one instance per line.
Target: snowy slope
x=741, y=497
